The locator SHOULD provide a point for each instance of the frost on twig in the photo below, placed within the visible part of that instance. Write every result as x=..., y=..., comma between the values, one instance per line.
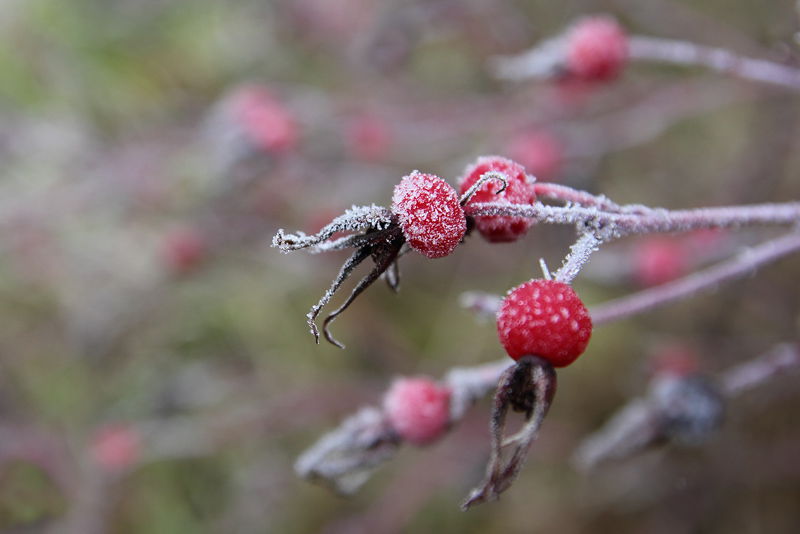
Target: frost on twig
x=686, y=410
x=354, y=219
x=345, y=458
x=741, y=265
x=717, y=59
x=636, y=219
x=380, y=238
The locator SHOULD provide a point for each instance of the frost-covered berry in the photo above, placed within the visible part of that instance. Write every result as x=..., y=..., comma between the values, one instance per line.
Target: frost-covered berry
x=497, y=228
x=432, y=220
x=544, y=318
x=597, y=49
x=418, y=409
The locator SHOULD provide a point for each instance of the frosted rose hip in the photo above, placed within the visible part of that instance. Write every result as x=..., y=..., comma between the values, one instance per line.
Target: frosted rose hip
x=520, y=190
x=597, y=49
x=430, y=215
x=544, y=318
x=418, y=409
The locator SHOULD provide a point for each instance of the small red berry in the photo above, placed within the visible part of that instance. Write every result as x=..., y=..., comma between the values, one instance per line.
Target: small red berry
x=267, y=122
x=183, y=249
x=597, y=49
x=500, y=229
x=418, y=409
x=430, y=215
x=116, y=447
x=544, y=318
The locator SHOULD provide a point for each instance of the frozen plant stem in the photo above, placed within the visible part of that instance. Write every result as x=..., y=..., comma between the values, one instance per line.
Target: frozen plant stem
x=717, y=59
x=578, y=256
x=635, y=219
x=741, y=265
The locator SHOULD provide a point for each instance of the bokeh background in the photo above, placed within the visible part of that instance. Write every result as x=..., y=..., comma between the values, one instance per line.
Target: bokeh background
x=156, y=370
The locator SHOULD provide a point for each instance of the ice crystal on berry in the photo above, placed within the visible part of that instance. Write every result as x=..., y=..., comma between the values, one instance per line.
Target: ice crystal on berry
x=544, y=318
x=432, y=219
x=518, y=190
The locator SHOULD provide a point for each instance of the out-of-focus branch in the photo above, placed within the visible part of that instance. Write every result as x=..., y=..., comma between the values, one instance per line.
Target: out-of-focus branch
x=681, y=409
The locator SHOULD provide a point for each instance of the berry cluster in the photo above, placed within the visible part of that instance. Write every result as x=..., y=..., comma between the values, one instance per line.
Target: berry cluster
x=427, y=215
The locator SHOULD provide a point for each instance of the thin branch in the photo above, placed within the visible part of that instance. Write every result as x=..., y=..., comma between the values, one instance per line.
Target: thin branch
x=741, y=265
x=637, y=219
x=716, y=59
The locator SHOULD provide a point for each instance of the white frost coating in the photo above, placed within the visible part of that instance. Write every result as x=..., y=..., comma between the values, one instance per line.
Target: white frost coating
x=353, y=220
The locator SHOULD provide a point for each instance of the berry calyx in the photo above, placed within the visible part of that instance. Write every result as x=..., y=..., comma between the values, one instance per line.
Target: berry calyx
x=597, y=49
x=520, y=190
x=544, y=318
x=428, y=209
x=418, y=409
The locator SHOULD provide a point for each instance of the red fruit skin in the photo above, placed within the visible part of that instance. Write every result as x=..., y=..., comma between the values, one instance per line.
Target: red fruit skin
x=500, y=229
x=544, y=318
x=418, y=409
x=597, y=49
x=430, y=215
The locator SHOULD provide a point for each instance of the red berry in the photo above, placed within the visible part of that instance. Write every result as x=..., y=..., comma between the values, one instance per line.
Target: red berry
x=116, y=447
x=597, y=49
x=431, y=217
x=183, y=249
x=544, y=318
x=418, y=409
x=538, y=152
x=500, y=229
x=267, y=122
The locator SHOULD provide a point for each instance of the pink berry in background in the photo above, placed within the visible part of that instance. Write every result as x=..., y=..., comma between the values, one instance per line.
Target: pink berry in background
x=597, y=49
x=116, y=447
x=368, y=137
x=265, y=120
x=432, y=220
x=544, y=318
x=539, y=152
x=418, y=409
x=500, y=229
x=657, y=260
x=183, y=249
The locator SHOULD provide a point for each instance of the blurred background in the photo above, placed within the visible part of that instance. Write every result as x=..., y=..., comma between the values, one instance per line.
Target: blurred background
x=156, y=370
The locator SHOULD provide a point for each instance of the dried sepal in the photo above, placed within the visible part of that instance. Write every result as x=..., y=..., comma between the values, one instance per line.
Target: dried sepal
x=344, y=459
x=527, y=387
x=354, y=219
